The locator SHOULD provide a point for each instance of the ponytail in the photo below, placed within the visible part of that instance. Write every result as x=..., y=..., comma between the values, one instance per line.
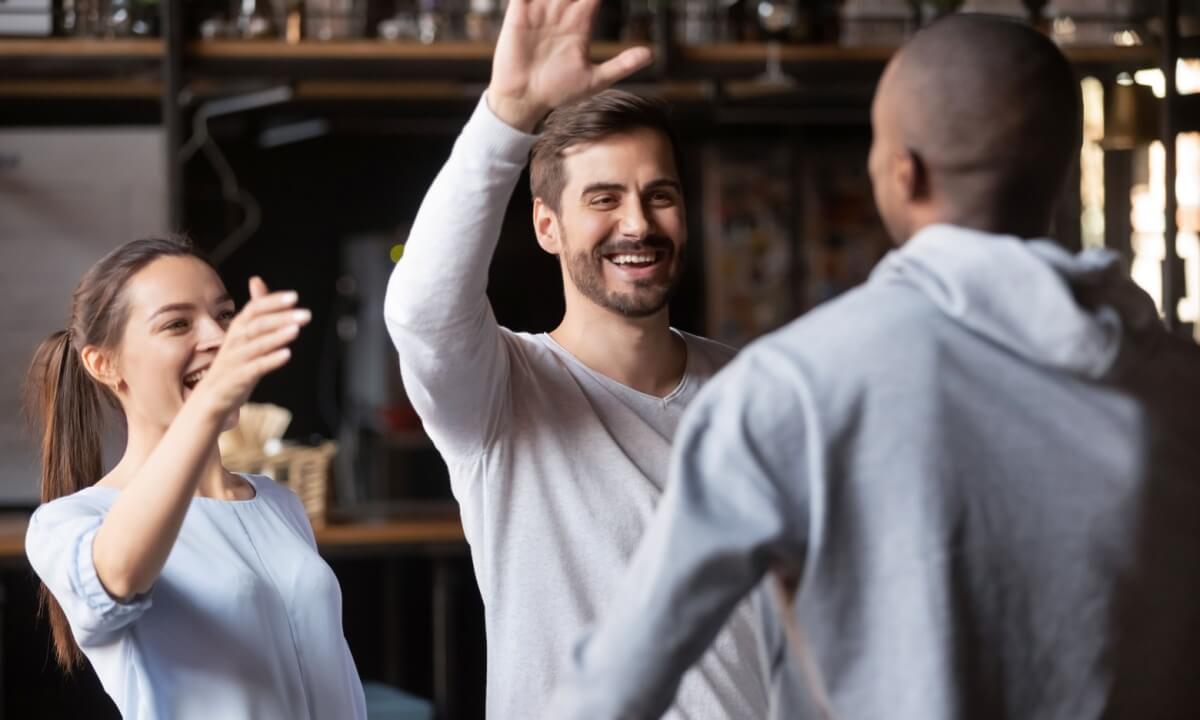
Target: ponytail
x=65, y=405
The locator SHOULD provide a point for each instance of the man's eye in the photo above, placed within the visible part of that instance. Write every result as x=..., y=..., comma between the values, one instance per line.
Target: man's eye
x=604, y=200
x=662, y=199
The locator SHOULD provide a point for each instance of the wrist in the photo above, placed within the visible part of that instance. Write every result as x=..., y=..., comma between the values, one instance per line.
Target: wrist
x=515, y=112
x=207, y=406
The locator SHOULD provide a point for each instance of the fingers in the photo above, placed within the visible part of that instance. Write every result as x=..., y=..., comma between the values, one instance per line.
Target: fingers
x=262, y=355
x=268, y=343
x=274, y=361
x=622, y=66
x=555, y=9
x=270, y=322
x=263, y=304
x=581, y=10
x=258, y=288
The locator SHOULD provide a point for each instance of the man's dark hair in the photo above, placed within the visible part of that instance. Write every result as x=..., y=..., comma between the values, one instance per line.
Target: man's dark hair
x=611, y=112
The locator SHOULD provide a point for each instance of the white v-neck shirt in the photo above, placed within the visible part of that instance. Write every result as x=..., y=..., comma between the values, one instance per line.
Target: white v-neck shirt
x=557, y=468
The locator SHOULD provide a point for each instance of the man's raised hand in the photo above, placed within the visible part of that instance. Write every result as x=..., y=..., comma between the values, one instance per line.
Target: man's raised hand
x=542, y=60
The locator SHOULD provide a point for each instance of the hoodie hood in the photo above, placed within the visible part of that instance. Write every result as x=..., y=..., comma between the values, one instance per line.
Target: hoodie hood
x=1073, y=312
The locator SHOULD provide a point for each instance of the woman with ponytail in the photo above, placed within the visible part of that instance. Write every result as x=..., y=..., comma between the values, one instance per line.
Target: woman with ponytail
x=192, y=591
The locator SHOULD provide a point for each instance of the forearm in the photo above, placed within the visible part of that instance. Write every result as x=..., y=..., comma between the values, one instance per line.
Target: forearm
x=136, y=537
x=441, y=280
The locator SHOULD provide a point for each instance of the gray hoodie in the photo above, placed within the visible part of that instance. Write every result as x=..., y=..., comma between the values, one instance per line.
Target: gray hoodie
x=984, y=468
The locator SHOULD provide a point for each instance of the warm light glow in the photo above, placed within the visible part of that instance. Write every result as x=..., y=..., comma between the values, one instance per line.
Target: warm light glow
x=1126, y=38
x=1187, y=78
x=1091, y=165
x=1149, y=224
x=1188, y=247
x=397, y=252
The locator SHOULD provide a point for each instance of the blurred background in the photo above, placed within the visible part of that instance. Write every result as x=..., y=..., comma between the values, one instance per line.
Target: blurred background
x=294, y=139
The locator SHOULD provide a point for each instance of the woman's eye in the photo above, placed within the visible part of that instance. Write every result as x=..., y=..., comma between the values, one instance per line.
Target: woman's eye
x=176, y=325
x=226, y=316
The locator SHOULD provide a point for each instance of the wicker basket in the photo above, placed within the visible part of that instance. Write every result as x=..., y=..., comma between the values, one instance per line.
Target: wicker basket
x=304, y=469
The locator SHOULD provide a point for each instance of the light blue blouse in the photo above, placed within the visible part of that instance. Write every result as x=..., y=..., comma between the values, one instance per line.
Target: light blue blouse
x=245, y=620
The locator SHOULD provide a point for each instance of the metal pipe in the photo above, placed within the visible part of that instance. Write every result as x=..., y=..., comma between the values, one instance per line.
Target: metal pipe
x=1172, y=269
x=170, y=14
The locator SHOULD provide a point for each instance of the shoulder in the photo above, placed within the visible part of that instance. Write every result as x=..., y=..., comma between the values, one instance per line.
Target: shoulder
x=60, y=523
x=873, y=325
x=270, y=491
x=90, y=502
x=841, y=348
x=712, y=353
x=283, y=501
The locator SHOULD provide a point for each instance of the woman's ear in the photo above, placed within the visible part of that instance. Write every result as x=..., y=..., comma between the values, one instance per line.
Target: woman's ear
x=545, y=225
x=100, y=364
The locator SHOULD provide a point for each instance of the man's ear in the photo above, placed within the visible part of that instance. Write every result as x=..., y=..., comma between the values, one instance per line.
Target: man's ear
x=912, y=176
x=100, y=364
x=545, y=225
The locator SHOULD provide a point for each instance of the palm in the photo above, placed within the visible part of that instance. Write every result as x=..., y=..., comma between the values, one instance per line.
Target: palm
x=542, y=60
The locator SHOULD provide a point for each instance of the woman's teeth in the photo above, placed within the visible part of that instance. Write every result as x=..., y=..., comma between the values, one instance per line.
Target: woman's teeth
x=191, y=379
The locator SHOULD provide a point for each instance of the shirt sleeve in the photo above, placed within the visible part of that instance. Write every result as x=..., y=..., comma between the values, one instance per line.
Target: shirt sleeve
x=733, y=509
x=59, y=546
x=452, y=354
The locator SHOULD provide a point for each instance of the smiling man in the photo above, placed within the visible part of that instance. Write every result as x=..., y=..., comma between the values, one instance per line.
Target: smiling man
x=558, y=444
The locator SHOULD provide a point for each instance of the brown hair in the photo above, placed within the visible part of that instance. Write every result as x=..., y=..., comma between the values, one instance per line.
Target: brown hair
x=64, y=401
x=602, y=115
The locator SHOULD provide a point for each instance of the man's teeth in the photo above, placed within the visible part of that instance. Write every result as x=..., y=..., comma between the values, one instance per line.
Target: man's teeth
x=632, y=259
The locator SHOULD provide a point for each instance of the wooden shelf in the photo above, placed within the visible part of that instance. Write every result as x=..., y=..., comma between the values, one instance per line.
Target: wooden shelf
x=12, y=535
x=82, y=48
x=376, y=69
x=342, y=50
x=415, y=531
x=151, y=48
x=837, y=54
x=144, y=89
x=758, y=52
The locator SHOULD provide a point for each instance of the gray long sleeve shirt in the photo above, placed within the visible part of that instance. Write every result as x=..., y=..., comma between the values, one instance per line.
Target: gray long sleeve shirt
x=556, y=468
x=985, y=467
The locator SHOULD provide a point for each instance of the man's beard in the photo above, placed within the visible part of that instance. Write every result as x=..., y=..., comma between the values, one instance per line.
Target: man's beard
x=586, y=269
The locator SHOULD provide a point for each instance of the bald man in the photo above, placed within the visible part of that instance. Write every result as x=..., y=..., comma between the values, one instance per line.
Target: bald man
x=983, y=465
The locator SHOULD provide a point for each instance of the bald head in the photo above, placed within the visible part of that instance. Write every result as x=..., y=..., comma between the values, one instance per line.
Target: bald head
x=989, y=111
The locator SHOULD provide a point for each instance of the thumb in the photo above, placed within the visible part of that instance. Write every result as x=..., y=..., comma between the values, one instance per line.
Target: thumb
x=258, y=288
x=622, y=66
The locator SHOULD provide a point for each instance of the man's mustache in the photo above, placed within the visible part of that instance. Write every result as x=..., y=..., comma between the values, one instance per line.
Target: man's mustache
x=621, y=247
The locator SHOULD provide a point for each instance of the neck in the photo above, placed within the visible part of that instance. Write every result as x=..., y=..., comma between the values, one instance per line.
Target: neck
x=214, y=481
x=980, y=205
x=985, y=224
x=641, y=353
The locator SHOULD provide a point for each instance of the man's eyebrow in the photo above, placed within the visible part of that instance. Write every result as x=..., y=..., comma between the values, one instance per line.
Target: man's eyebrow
x=664, y=183
x=602, y=187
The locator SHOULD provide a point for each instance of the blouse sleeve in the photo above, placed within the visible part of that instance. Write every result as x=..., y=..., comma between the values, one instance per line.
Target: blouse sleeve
x=59, y=546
